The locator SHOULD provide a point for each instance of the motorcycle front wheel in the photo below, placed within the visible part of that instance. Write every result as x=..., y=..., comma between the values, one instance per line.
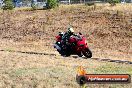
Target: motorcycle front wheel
x=87, y=53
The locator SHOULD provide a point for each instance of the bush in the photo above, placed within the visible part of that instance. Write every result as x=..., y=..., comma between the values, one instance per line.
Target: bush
x=8, y=5
x=52, y=4
x=34, y=6
x=113, y=2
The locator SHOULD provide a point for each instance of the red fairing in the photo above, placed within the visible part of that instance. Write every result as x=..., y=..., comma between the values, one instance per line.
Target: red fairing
x=80, y=44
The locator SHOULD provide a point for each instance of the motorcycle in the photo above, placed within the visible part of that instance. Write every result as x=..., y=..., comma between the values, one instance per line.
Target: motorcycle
x=77, y=45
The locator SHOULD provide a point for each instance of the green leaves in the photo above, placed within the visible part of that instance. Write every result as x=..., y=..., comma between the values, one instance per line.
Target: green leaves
x=113, y=2
x=8, y=5
x=52, y=4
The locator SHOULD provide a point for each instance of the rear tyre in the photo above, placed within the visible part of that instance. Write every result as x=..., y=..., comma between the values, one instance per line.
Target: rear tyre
x=65, y=53
x=87, y=53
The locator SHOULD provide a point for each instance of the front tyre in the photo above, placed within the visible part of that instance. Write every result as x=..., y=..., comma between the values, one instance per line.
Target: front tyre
x=87, y=53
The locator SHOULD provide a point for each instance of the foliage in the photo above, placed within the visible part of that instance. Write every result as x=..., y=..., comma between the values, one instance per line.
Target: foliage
x=113, y=2
x=52, y=4
x=8, y=5
x=34, y=6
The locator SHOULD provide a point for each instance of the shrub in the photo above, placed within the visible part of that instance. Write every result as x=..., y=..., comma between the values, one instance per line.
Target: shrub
x=113, y=2
x=52, y=4
x=34, y=6
x=8, y=5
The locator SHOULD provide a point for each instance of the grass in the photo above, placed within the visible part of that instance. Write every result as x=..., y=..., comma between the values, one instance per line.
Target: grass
x=23, y=8
x=106, y=68
x=120, y=7
x=9, y=50
x=60, y=72
x=25, y=70
x=109, y=68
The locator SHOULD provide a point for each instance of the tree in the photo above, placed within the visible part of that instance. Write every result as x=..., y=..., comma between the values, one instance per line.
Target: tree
x=34, y=4
x=113, y=2
x=8, y=5
x=52, y=4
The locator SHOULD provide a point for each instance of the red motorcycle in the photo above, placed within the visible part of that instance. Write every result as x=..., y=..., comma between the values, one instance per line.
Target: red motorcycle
x=76, y=45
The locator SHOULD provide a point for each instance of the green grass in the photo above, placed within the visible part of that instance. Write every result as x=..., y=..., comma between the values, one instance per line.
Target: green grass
x=65, y=75
x=9, y=50
x=110, y=68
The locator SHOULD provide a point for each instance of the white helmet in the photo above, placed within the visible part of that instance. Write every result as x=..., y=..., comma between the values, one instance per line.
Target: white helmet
x=70, y=30
x=61, y=33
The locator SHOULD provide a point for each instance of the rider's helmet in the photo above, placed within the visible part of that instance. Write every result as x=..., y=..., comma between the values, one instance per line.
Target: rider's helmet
x=70, y=30
x=61, y=33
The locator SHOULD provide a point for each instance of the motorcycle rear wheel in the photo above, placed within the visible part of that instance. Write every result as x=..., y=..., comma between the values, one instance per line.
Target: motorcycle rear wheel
x=65, y=53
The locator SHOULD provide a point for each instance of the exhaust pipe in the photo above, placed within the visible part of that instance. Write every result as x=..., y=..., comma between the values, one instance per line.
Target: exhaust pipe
x=57, y=47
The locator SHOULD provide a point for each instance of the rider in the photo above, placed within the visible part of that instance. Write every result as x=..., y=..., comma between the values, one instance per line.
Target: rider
x=67, y=35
